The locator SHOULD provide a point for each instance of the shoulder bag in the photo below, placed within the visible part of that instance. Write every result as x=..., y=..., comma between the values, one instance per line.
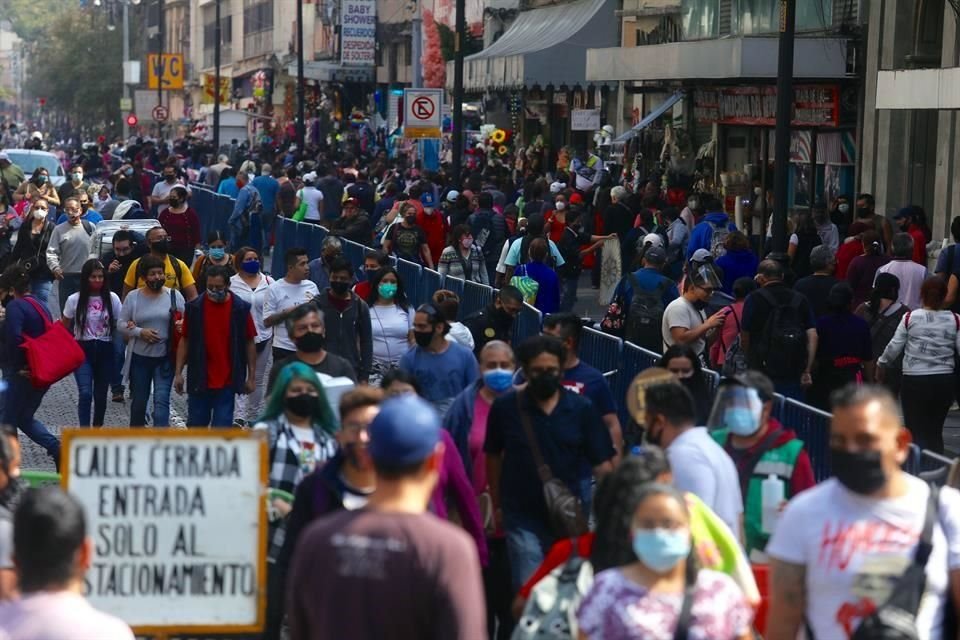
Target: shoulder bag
x=176, y=324
x=563, y=507
x=32, y=264
x=53, y=355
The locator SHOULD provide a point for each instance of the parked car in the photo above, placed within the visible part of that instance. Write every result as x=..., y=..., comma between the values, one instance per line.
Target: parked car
x=102, y=241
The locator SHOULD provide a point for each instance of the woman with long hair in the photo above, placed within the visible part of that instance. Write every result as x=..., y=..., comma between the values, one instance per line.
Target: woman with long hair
x=31, y=248
x=250, y=285
x=182, y=225
x=38, y=186
x=682, y=361
x=216, y=255
x=92, y=314
x=391, y=320
x=645, y=597
x=462, y=259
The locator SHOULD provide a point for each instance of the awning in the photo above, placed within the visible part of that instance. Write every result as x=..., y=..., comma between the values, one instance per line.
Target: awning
x=546, y=46
x=653, y=115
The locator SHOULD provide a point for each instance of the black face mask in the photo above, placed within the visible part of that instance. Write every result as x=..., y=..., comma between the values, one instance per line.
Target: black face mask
x=370, y=273
x=310, y=342
x=169, y=178
x=863, y=212
x=503, y=317
x=423, y=338
x=339, y=288
x=155, y=285
x=861, y=471
x=13, y=493
x=699, y=305
x=543, y=385
x=302, y=406
x=160, y=246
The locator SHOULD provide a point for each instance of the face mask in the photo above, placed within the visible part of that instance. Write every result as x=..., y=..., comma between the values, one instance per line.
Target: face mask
x=302, y=406
x=161, y=246
x=843, y=208
x=498, y=380
x=40, y=214
x=741, y=421
x=169, y=178
x=543, y=385
x=699, y=305
x=217, y=253
x=370, y=273
x=13, y=493
x=250, y=266
x=329, y=259
x=77, y=177
x=466, y=243
x=340, y=288
x=561, y=205
x=756, y=191
x=173, y=202
x=411, y=220
x=423, y=338
x=863, y=212
x=155, y=285
x=311, y=342
x=661, y=549
x=387, y=290
x=41, y=179
x=128, y=172
x=861, y=472
x=95, y=286
x=217, y=296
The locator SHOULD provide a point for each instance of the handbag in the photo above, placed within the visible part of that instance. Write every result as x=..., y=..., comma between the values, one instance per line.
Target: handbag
x=527, y=285
x=53, y=355
x=563, y=507
x=615, y=318
x=33, y=263
x=896, y=619
x=176, y=316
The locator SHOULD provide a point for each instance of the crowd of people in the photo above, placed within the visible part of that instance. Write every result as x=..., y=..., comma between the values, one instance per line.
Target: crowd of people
x=478, y=489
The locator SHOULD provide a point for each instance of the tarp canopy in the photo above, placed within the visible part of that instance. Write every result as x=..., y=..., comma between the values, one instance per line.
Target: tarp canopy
x=650, y=117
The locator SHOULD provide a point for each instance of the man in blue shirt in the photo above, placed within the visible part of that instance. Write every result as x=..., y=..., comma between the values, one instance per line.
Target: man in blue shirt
x=442, y=368
x=715, y=221
x=268, y=187
x=644, y=331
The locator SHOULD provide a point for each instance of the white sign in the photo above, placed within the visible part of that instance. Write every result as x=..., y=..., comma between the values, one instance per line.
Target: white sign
x=584, y=119
x=422, y=113
x=358, y=32
x=178, y=521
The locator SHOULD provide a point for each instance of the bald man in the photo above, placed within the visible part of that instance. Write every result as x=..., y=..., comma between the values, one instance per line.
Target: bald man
x=839, y=547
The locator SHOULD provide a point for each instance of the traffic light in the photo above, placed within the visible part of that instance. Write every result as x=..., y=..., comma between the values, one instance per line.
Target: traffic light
x=132, y=120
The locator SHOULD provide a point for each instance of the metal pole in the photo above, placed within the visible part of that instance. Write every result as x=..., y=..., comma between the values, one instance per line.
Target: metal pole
x=416, y=53
x=781, y=154
x=458, y=46
x=218, y=45
x=161, y=35
x=301, y=97
x=126, y=61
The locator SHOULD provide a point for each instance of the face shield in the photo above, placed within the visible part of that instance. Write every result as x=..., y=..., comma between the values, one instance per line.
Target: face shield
x=703, y=275
x=738, y=409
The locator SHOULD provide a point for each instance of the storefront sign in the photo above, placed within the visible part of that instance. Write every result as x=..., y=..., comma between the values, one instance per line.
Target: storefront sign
x=814, y=105
x=178, y=520
x=358, y=36
x=584, y=119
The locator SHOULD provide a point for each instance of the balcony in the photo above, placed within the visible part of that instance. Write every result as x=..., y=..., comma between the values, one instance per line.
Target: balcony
x=258, y=43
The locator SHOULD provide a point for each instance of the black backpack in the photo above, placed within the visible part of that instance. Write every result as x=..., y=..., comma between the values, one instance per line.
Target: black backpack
x=782, y=347
x=645, y=317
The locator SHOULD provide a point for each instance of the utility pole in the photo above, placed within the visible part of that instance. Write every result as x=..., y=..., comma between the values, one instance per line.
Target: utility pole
x=216, y=78
x=781, y=153
x=126, y=63
x=160, y=36
x=301, y=96
x=458, y=46
x=416, y=53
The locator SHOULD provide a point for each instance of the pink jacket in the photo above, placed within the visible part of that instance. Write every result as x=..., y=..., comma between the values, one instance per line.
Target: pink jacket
x=455, y=487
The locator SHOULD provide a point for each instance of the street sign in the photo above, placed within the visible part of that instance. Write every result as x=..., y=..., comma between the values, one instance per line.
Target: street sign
x=160, y=113
x=422, y=113
x=165, y=72
x=126, y=104
x=179, y=523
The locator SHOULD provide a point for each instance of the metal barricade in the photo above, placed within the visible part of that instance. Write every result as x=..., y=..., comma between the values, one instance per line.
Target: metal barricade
x=430, y=281
x=456, y=285
x=354, y=252
x=529, y=322
x=315, y=235
x=476, y=297
x=410, y=277
x=278, y=255
x=604, y=352
x=813, y=427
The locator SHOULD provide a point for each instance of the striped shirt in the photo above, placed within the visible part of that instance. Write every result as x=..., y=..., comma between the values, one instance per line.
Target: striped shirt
x=928, y=341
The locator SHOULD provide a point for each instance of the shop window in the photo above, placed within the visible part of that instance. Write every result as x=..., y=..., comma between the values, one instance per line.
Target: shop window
x=209, y=37
x=763, y=16
x=257, y=27
x=928, y=38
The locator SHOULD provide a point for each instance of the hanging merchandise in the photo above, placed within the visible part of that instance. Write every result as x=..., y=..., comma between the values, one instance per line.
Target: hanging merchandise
x=609, y=269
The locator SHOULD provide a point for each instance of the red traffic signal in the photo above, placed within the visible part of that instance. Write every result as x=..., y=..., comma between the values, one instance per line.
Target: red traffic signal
x=132, y=120
x=43, y=102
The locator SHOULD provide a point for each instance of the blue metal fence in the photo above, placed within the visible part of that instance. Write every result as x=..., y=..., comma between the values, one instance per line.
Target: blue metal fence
x=603, y=352
x=410, y=278
x=476, y=297
x=430, y=281
x=813, y=427
x=528, y=324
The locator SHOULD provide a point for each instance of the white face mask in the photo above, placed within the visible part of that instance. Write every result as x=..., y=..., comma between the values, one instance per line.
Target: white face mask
x=561, y=205
x=40, y=214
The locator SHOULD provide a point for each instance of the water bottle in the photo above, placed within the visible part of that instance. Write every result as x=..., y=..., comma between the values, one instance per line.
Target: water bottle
x=771, y=491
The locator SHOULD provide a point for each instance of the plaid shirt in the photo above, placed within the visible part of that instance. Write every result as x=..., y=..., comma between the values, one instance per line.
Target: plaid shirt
x=290, y=462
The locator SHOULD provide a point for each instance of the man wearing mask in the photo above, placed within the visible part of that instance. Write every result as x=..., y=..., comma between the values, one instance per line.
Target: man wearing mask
x=72, y=187
x=68, y=249
x=330, y=251
x=433, y=223
x=305, y=325
x=373, y=261
x=347, y=319
x=684, y=320
x=866, y=213
x=160, y=197
x=495, y=321
x=742, y=423
x=826, y=229
x=178, y=275
x=218, y=344
x=118, y=262
x=841, y=214
x=906, y=221
x=442, y=368
x=353, y=224
x=284, y=296
x=841, y=546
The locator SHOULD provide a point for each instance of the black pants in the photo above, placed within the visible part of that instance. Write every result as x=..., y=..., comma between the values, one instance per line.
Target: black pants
x=498, y=591
x=926, y=401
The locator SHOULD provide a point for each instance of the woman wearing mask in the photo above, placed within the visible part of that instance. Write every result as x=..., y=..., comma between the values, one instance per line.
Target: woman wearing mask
x=31, y=248
x=300, y=427
x=844, y=348
x=145, y=320
x=38, y=186
x=883, y=313
x=101, y=197
x=216, y=255
x=182, y=225
x=682, y=361
x=250, y=285
x=556, y=220
x=91, y=315
x=391, y=320
x=664, y=587
x=462, y=259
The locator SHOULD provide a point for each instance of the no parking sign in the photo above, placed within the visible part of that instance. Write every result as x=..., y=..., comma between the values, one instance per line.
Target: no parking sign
x=422, y=113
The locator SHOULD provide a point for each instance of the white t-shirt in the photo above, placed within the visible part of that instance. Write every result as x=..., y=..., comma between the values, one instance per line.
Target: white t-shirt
x=57, y=615
x=97, y=325
x=911, y=276
x=256, y=298
x=162, y=189
x=314, y=199
x=681, y=313
x=854, y=547
x=283, y=295
x=390, y=326
x=461, y=335
x=701, y=466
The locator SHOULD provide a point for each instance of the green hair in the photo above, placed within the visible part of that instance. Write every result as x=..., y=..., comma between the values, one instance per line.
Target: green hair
x=324, y=417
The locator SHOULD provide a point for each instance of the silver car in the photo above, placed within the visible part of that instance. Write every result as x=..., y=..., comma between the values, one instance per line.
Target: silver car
x=29, y=160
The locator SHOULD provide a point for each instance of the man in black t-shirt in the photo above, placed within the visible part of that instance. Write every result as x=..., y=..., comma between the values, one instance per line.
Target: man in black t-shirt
x=816, y=287
x=408, y=241
x=571, y=247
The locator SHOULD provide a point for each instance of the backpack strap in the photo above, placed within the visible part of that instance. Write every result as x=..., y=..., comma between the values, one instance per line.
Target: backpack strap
x=682, y=630
x=906, y=319
x=177, y=269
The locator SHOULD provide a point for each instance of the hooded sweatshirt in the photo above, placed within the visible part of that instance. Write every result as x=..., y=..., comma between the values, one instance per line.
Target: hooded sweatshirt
x=702, y=234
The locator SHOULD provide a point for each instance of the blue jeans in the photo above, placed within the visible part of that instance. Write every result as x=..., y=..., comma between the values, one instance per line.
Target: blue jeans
x=528, y=540
x=93, y=380
x=41, y=288
x=210, y=408
x=119, y=355
x=68, y=286
x=21, y=404
x=144, y=373
x=568, y=293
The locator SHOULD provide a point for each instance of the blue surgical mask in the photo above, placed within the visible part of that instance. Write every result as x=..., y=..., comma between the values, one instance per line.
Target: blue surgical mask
x=250, y=266
x=128, y=172
x=661, y=549
x=498, y=380
x=42, y=179
x=742, y=421
x=217, y=253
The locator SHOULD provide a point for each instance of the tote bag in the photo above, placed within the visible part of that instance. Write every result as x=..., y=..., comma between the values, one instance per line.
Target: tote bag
x=53, y=355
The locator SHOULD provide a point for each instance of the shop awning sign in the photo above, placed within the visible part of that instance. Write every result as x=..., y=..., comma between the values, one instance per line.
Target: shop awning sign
x=814, y=105
x=422, y=113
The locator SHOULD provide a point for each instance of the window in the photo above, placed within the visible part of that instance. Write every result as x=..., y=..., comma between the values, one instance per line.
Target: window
x=257, y=27
x=209, y=36
x=702, y=18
